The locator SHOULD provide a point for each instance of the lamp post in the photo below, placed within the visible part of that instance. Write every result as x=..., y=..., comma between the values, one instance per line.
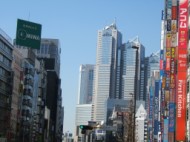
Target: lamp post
x=135, y=86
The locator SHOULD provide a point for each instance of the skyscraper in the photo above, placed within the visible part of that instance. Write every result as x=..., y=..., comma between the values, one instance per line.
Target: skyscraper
x=129, y=57
x=106, y=71
x=84, y=102
x=85, y=84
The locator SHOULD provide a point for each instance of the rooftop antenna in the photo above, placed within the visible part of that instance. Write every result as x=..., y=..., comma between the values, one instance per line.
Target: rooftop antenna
x=29, y=16
x=115, y=20
x=114, y=23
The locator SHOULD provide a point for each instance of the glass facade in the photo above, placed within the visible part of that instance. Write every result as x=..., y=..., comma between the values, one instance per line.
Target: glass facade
x=86, y=84
x=128, y=71
x=105, y=79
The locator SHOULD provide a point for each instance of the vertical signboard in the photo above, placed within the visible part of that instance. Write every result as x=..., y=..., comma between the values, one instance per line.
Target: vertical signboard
x=171, y=117
x=182, y=68
x=156, y=108
x=165, y=136
x=151, y=114
x=181, y=107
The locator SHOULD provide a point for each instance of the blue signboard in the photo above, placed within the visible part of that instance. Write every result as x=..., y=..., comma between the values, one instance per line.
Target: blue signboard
x=165, y=139
x=171, y=117
x=156, y=107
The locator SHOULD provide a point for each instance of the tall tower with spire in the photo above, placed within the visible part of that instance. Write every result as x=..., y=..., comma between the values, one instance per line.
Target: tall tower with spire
x=106, y=70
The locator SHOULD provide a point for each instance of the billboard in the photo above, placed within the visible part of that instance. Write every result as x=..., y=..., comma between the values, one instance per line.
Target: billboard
x=171, y=117
x=182, y=60
x=165, y=136
x=28, y=34
x=174, y=12
x=182, y=71
x=181, y=107
x=156, y=107
x=183, y=24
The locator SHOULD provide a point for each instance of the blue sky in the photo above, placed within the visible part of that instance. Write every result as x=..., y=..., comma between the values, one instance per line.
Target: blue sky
x=75, y=23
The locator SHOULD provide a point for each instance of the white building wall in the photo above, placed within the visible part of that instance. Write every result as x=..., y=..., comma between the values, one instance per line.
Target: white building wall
x=140, y=121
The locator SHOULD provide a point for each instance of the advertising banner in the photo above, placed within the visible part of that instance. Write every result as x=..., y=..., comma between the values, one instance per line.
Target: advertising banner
x=174, y=26
x=174, y=2
x=161, y=65
x=183, y=24
x=165, y=139
x=28, y=34
x=182, y=60
x=156, y=107
x=167, y=81
x=168, y=40
x=174, y=12
x=172, y=95
x=174, y=40
x=182, y=71
x=169, y=3
x=181, y=107
x=168, y=56
x=172, y=68
x=169, y=25
x=161, y=54
x=171, y=117
x=182, y=68
x=151, y=104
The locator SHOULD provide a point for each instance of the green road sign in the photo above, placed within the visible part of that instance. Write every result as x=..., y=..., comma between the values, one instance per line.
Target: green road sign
x=28, y=34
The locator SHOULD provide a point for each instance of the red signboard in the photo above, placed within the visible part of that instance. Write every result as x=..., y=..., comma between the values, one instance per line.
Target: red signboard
x=161, y=64
x=182, y=71
x=181, y=107
x=174, y=12
x=182, y=60
x=183, y=24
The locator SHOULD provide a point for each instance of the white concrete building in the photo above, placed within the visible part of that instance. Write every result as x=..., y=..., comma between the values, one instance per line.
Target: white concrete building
x=140, y=123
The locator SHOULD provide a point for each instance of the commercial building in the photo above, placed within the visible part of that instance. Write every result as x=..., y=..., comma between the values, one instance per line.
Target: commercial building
x=49, y=53
x=140, y=123
x=85, y=94
x=106, y=75
x=132, y=68
x=17, y=93
x=6, y=83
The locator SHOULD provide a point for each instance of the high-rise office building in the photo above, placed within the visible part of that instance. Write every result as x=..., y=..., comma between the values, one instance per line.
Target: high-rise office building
x=132, y=61
x=86, y=79
x=152, y=64
x=84, y=102
x=106, y=81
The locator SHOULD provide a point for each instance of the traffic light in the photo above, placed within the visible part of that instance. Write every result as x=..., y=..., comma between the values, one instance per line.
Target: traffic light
x=84, y=128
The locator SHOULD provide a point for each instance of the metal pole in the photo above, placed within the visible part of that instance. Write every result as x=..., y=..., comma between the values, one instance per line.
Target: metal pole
x=135, y=88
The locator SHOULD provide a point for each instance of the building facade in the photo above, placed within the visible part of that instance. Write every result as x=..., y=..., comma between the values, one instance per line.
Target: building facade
x=17, y=92
x=6, y=83
x=85, y=94
x=49, y=53
x=106, y=71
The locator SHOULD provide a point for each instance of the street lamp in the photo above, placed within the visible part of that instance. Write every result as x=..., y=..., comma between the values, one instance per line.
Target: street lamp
x=135, y=85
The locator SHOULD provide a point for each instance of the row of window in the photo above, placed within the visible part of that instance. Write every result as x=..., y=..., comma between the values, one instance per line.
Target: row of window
x=4, y=72
x=5, y=60
x=5, y=48
x=4, y=86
